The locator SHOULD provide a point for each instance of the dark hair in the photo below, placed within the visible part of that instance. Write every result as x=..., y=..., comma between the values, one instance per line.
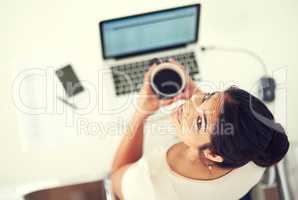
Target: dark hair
x=246, y=131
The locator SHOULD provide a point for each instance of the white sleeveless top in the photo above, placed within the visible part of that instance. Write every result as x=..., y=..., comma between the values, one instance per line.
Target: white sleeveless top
x=151, y=178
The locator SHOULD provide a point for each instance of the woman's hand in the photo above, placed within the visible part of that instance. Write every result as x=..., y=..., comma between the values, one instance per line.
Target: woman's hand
x=190, y=86
x=148, y=102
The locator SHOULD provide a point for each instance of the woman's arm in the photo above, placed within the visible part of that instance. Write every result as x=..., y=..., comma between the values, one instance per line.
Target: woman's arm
x=130, y=149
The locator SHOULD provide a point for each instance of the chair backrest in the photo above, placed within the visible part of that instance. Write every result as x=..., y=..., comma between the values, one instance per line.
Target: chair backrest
x=85, y=191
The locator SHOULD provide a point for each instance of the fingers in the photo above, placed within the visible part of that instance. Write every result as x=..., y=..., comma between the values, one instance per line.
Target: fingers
x=165, y=102
x=148, y=73
x=173, y=61
x=146, y=88
x=180, y=96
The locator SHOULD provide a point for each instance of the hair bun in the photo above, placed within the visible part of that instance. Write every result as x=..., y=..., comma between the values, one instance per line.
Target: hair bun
x=276, y=149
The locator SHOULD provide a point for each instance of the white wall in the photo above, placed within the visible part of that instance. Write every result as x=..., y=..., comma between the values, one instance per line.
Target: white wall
x=49, y=33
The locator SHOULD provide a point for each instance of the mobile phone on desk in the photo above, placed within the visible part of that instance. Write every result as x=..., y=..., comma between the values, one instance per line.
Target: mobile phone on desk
x=70, y=82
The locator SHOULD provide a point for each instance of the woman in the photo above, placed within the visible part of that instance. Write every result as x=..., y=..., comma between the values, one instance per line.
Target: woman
x=226, y=141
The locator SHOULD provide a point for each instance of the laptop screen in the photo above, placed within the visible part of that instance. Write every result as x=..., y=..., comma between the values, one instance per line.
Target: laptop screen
x=149, y=32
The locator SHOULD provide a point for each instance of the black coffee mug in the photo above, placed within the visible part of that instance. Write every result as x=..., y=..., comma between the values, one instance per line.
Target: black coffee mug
x=167, y=80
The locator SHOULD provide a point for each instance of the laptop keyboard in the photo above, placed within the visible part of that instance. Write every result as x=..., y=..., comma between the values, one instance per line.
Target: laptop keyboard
x=128, y=77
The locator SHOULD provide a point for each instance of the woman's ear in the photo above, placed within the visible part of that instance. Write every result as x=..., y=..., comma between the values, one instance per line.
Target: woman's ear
x=212, y=156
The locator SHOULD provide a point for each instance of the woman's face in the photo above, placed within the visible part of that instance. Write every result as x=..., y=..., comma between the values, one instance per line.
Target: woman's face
x=195, y=120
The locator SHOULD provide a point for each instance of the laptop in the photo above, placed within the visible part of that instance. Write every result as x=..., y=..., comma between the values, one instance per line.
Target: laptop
x=129, y=44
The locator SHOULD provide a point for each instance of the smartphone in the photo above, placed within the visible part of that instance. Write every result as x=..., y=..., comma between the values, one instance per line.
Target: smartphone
x=69, y=80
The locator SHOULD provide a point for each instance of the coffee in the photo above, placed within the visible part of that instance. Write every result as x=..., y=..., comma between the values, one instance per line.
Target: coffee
x=167, y=80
